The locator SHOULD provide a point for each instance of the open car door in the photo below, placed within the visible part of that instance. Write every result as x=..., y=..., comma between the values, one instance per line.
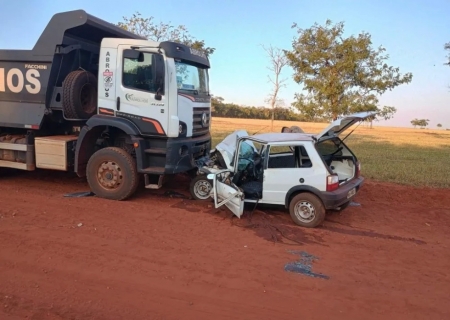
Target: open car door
x=227, y=194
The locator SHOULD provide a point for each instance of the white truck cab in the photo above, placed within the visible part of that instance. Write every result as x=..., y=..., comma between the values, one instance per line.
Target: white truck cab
x=306, y=173
x=109, y=105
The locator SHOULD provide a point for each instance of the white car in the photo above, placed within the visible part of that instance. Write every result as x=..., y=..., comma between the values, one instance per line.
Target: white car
x=306, y=173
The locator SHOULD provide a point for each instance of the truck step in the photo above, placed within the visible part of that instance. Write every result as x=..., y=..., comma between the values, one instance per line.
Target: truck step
x=154, y=170
x=155, y=151
x=153, y=181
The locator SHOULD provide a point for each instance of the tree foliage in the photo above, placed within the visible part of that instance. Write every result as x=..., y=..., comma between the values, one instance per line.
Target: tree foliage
x=340, y=75
x=385, y=113
x=231, y=110
x=148, y=28
x=420, y=122
x=447, y=47
x=439, y=125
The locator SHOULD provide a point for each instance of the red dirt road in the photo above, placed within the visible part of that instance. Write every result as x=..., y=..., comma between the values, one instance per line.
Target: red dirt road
x=163, y=257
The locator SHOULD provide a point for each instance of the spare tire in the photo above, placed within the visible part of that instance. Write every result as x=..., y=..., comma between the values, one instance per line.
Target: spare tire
x=292, y=129
x=296, y=129
x=79, y=95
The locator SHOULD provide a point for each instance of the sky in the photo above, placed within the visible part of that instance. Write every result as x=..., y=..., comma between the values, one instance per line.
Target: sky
x=413, y=32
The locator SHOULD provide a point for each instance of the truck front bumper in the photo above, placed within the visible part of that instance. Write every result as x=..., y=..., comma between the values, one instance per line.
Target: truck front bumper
x=181, y=153
x=345, y=193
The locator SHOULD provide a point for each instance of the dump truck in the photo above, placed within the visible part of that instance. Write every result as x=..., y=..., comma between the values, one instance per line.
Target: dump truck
x=104, y=103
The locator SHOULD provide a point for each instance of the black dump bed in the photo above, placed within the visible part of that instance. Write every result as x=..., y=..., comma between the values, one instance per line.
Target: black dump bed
x=28, y=77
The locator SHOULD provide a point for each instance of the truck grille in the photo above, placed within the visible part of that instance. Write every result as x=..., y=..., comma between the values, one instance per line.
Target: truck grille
x=197, y=127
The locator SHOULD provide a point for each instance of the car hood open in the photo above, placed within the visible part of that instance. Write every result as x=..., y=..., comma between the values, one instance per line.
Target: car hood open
x=340, y=125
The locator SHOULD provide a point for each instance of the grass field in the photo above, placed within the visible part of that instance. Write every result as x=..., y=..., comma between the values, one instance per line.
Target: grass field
x=419, y=157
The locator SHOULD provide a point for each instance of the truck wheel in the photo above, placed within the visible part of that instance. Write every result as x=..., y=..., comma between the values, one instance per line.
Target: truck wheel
x=111, y=173
x=307, y=210
x=79, y=95
x=200, y=187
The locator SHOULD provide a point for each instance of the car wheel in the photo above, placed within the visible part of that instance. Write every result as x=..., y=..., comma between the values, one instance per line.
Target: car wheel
x=200, y=187
x=307, y=210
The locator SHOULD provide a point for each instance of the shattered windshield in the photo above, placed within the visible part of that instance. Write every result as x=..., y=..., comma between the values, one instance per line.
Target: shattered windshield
x=191, y=78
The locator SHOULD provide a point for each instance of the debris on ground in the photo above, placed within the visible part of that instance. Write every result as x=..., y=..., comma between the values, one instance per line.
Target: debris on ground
x=79, y=194
x=303, y=265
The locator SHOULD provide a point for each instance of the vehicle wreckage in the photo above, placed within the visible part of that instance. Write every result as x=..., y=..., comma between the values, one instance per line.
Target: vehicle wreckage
x=306, y=173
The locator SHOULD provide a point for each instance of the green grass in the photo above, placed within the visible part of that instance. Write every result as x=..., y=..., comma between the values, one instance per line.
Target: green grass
x=400, y=155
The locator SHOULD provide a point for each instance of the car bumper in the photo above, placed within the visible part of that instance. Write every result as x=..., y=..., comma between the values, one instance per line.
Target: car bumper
x=345, y=193
x=182, y=153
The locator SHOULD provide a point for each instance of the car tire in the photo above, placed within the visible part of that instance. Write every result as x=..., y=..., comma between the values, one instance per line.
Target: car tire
x=79, y=97
x=112, y=174
x=200, y=187
x=307, y=210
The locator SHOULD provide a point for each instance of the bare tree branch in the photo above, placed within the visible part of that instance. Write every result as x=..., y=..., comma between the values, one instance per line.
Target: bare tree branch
x=277, y=61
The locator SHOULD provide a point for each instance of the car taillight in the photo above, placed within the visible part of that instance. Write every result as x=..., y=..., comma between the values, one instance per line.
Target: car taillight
x=332, y=182
x=358, y=169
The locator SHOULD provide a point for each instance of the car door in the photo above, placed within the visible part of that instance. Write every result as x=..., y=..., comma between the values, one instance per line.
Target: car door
x=227, y=194
x=282, y=176
x=141, y=82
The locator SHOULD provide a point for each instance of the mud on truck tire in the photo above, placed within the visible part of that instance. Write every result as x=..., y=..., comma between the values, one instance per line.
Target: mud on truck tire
x=112, y=174
x=79, y=95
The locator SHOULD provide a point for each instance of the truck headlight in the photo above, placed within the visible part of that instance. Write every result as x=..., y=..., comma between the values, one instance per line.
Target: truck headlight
x=182, y=129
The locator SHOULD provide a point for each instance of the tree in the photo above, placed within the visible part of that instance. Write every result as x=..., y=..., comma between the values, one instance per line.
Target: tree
x=340, y=75
x=420, y=122
x=216, y=102
x=439, y=125
x=385, y=113
x=423, y=123
x=415, y=122
x=146, y=27
x=447, y=47
x=277, y=62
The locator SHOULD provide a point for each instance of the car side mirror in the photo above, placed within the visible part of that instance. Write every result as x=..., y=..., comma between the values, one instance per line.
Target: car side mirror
x=210, y=176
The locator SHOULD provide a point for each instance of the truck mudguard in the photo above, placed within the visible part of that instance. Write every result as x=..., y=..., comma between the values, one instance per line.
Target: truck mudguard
x=91, y=132
x=28, y=77
x=120, y=123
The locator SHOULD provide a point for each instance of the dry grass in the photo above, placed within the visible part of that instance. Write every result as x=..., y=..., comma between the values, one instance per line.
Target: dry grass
x=418, y=157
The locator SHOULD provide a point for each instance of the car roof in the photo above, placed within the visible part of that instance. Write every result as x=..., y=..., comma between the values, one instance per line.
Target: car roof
x=282, y=137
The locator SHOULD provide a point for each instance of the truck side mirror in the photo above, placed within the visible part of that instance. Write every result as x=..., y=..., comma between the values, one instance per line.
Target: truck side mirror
x=158, y=74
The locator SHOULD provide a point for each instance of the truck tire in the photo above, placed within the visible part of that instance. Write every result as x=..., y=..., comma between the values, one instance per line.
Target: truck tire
x=112, y=174
x=200, y=187
x=79, y=95
x=307, y=210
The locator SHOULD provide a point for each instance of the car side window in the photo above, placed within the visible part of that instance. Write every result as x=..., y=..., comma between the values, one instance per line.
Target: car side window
x=282, y=157
x=138, y=74
x=304, y=160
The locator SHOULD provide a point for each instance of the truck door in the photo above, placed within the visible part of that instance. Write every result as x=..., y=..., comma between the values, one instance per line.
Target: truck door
x=141, y=91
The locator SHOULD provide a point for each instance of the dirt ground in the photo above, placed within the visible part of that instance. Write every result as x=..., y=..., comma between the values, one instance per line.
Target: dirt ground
x=162, y=256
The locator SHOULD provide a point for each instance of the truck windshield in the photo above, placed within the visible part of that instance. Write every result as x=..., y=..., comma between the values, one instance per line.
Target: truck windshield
x=191, y=78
